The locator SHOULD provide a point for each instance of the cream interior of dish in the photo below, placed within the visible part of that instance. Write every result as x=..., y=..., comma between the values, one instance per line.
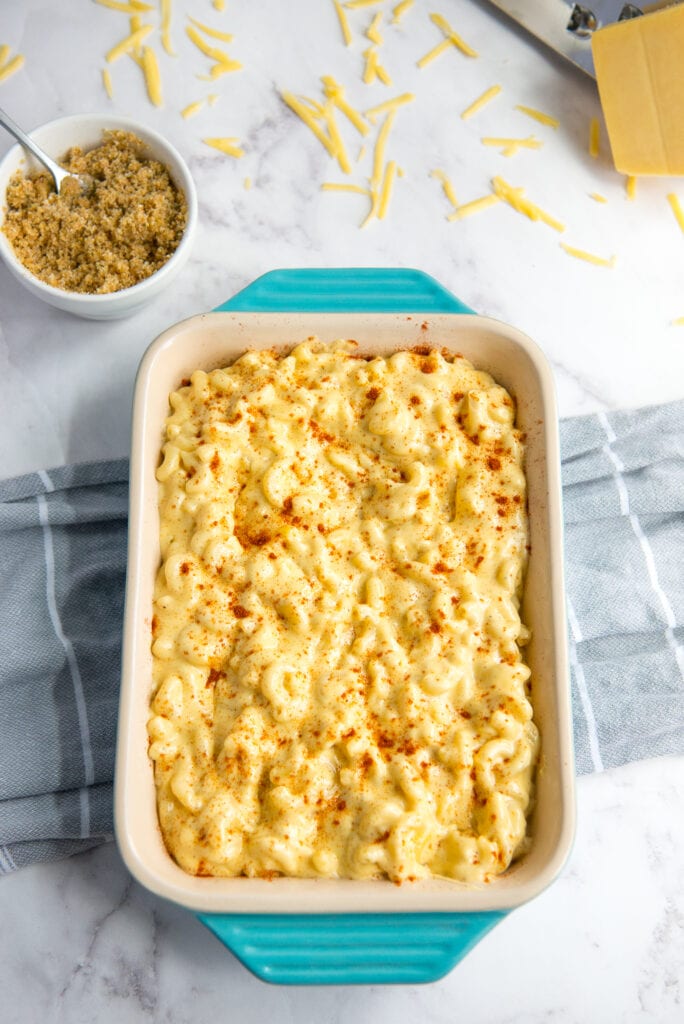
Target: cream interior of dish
x=338, y=682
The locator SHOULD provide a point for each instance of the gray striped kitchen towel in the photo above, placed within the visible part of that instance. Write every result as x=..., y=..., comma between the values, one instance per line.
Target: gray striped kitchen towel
x=62, y=565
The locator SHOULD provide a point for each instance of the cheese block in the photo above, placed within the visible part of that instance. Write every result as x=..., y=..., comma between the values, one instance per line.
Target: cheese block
x=640, y=72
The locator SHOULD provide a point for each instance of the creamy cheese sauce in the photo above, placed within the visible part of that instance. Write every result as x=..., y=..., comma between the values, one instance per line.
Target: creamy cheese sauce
x=338, y=682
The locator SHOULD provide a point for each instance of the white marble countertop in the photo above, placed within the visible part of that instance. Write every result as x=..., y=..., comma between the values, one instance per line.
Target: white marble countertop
x=606, y=942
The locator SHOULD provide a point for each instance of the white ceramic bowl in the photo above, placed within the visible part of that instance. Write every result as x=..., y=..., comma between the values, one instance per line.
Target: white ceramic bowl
x=85, y=130
x=216, y=339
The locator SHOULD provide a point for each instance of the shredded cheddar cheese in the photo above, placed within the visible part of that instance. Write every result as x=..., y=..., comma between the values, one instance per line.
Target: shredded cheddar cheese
x=247, y=184
x=509, y=147
x=371, y=58
x=134, y=26
x=435, y=52
x=381, y=108
x=630, y=186
x=335, y=92
x=373, y=30
x=372, y=212
x=212, y=98
x=679, y=322
x=355, y=5
x=400, y=10
x=333, y=186
x=332, y=145
x=380, y=146
x=336, y=138
x=440, y=21
x=317, y=108
x=152, y=76
x=382, y=176
x=107, y=82
x=125, y=8
x=386, y=191
x=217, y=70
x=374, y=68
x=486, y=97
x=594, y=138
x=515, y=197
x=129, y=43
x=361, y=154
x=11, y=67
x=447, y=187
x=219, y=5
x=225, y=37
x=538, y=115
x=475, y=206
x=588, y=257
x=676, y=205
x=192, y=109
x=227, y=146
x=166, y=27
x=220, y=56
x=597, y=197
x=344, y=22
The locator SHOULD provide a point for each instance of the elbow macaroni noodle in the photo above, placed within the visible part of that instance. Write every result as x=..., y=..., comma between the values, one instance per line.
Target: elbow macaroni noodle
x=339, y=687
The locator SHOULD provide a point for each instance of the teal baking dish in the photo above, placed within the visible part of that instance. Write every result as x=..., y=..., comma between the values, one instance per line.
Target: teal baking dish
x=304, y=931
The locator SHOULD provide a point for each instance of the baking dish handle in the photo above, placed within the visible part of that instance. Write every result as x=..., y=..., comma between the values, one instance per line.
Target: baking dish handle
x=345, y=290
x=348, y=949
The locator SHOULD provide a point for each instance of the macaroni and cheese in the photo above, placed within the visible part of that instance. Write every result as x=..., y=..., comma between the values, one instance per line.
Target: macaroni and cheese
x=339, y=689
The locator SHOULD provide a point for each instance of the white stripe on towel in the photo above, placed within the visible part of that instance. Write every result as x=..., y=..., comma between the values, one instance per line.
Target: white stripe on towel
x=47, y=482
x=6, y=861
x=84, y=799
x=592, y=732
x=77, y=682
x=618, y=470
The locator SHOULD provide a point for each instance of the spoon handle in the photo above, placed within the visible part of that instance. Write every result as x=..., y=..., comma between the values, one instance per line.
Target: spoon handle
x=57, y=172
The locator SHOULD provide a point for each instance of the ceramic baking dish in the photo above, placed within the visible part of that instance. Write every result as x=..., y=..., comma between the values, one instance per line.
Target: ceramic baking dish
x=235, y=907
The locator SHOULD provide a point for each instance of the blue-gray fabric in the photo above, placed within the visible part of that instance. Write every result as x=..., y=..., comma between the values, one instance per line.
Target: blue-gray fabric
x=62, y=570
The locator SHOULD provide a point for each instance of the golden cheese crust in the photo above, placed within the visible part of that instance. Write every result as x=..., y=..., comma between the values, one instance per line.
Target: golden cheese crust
x=339, y=689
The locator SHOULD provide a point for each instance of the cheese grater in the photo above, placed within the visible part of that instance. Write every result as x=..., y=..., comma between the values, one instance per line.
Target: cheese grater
x=567, y=27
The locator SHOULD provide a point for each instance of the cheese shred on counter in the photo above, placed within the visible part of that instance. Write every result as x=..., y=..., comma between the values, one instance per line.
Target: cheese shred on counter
x=400, y=10
x=12, y=66
x=515, y=197
x=487, y=96
x=129, y=43
x=509, y=147
x=331, y=142
x=192, y=109
x=373, y=30
x=382, y=108
x=107, y=82
x=588, y=257
x=447, y=187
x=228, y=146
x=677, y=209
x=374, y=68
x=538, y=115
x=152, y=76
x=475, y=206
x=344, y=22
x=386, y=191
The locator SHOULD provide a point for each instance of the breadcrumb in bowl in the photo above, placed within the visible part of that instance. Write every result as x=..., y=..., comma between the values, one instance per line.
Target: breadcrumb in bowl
x=104, y=253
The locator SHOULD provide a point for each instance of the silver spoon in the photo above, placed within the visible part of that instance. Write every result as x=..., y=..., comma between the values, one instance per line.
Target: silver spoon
x=58, y=173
